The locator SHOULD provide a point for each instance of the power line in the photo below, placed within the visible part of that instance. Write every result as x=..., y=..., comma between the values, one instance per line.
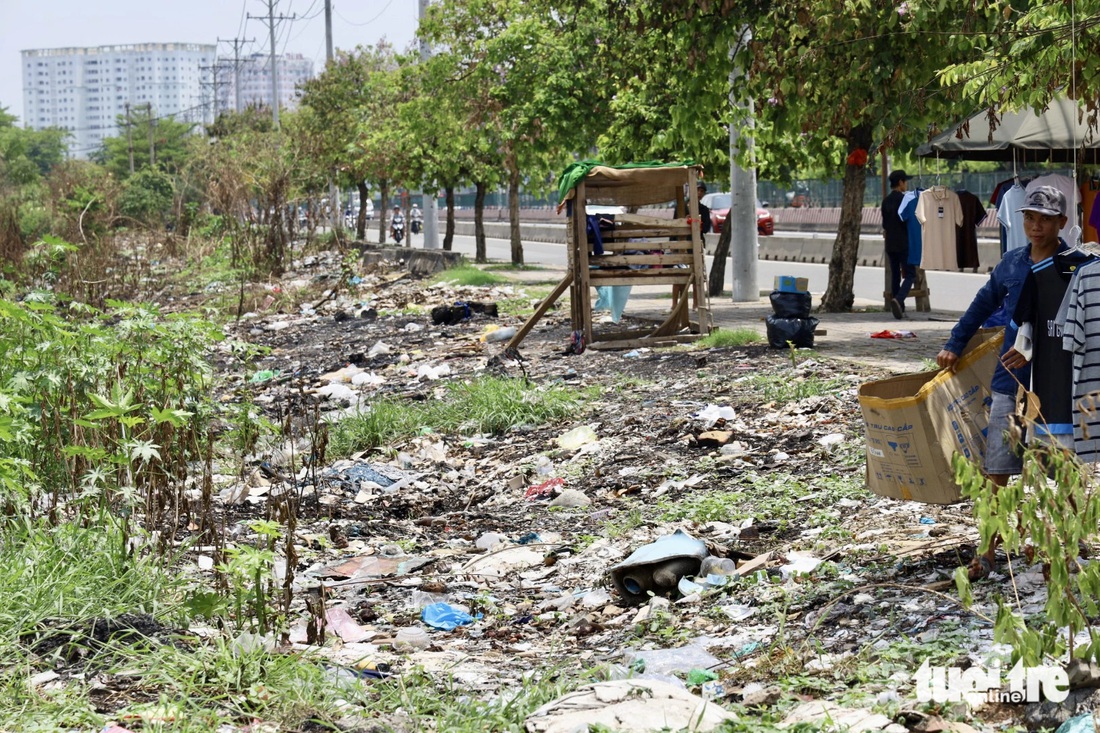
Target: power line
x=271, y=20
x=237, y=44
x=380, y=14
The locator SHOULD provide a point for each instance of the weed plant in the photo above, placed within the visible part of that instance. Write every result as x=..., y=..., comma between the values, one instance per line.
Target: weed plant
x=469, y=275
x=100, y=409
x=721, y=338
x=781, y=387
x=1045, y=514
x=70, y=572
x=486, y=405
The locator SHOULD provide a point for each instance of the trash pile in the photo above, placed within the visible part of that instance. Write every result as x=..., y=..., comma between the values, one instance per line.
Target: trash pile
x=707, y=550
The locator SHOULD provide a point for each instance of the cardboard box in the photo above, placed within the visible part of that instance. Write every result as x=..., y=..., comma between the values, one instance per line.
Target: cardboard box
x=915, y=423
x=791, y=284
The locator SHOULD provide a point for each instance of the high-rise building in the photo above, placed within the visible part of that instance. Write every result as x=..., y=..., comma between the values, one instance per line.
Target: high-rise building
x=253, y=74
x=85, y=90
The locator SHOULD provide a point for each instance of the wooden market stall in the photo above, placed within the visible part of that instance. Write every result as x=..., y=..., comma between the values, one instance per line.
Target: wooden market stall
x=634, y=250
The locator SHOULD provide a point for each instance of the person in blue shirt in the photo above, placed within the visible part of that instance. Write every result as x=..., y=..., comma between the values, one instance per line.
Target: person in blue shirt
x=1044, y=216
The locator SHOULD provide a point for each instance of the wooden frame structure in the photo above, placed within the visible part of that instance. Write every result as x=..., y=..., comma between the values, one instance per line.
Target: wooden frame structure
x=639, y=250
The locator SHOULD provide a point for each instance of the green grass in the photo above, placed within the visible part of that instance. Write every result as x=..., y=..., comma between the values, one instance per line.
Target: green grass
x=725, y=338
x=59, y=579
x=524, y=304
x=469, y=275
x=773, y=496
x=509, y=267
x=69, y=572
x=486, y=405
x=783, y=387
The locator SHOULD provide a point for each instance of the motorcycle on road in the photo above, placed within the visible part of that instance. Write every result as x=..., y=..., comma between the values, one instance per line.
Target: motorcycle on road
x=397, y=226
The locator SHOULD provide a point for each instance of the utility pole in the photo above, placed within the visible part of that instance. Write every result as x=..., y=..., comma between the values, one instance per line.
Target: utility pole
x=333, y=192
x=431, y=205
x=152, y=147
x=270, y=20
x=210, y=109
x=742, y=217
x=237, y=44
x=328, y=30
x=129, y=138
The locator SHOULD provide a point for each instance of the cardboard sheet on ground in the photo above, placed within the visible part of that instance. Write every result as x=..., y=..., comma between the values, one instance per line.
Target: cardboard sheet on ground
x=827, y=714
x=915, y=423
x=627, y=705
x=374, y=566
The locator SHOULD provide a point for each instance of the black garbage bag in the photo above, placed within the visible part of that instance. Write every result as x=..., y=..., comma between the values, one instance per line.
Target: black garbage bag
x=798, y=331
x=791, y=305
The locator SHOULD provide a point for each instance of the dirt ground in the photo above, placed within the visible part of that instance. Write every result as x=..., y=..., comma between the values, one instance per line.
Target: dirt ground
x=756, y=452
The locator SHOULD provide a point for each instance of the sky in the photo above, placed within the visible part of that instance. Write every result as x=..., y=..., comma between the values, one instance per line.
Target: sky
x=32, y=24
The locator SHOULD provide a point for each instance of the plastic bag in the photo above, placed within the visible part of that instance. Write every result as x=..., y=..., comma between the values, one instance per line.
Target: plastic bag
x=791, y=305
x=798, y=331
x=445, y=616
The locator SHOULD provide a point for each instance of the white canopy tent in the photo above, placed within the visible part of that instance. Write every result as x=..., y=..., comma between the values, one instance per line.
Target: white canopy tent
x=1023, y=136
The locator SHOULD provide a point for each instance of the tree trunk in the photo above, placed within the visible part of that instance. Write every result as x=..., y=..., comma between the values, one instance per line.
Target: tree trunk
x=361, y=219
x=840, y=293
x=384, y=188
x=449, y=236
x=513, y=214
x=479, y=223
x=717, y=280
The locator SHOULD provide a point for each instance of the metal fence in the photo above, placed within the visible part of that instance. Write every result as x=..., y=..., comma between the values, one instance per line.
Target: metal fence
x=808, y=193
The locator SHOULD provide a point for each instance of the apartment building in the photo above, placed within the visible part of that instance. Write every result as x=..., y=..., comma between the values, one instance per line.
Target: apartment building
x=84, y=90
x=251, y=75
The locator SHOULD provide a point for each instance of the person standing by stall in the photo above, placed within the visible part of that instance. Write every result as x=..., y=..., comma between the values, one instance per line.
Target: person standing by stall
x=896, y=233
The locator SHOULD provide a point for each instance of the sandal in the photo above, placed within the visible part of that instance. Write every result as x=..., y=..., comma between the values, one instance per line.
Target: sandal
x=980, y=567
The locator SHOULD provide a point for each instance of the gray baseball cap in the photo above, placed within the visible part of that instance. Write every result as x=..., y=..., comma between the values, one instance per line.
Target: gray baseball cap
x=1045, y=200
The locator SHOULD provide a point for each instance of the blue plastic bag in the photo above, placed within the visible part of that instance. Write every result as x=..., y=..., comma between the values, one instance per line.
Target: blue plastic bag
x=445, y=616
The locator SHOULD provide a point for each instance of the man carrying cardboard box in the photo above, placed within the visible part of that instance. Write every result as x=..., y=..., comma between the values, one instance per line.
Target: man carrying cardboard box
x=1044, y=216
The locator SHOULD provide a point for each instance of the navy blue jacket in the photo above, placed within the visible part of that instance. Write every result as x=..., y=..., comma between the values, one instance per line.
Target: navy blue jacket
x=1003, y=288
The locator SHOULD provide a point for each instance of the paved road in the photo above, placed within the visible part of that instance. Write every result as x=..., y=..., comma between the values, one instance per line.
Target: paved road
x=950, y=291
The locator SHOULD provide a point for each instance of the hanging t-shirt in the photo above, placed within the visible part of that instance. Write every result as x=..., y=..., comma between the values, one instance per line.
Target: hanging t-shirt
x=1082, y=337
x=908, y=213
x=1089, y=192
x=966, y=238
x=1051, y=366
x=995, y=202
x=1065, y=184
x=1011, y=218
x=939, y=212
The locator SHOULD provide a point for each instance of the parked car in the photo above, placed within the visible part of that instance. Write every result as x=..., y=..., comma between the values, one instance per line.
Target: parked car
x=719, y=205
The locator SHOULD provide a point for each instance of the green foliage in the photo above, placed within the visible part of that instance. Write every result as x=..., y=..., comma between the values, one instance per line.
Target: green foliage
x=249, y=571
x=1053, y=506
x=71, y=573
x=470, y=276
x=147, y=197
x=486, y=405
x=27, y=155
x=100, y=410
x=1036, y=52
x=726, y=338
x=783, y=387
x=166, y=137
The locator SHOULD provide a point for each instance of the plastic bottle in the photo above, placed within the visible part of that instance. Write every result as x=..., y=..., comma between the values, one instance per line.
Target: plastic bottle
x=713, y=565
x=544, y=467
x=411, y=637
x=501, y=334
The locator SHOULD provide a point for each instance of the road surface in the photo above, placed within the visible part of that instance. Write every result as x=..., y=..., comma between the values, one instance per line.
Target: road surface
x=949, y=291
